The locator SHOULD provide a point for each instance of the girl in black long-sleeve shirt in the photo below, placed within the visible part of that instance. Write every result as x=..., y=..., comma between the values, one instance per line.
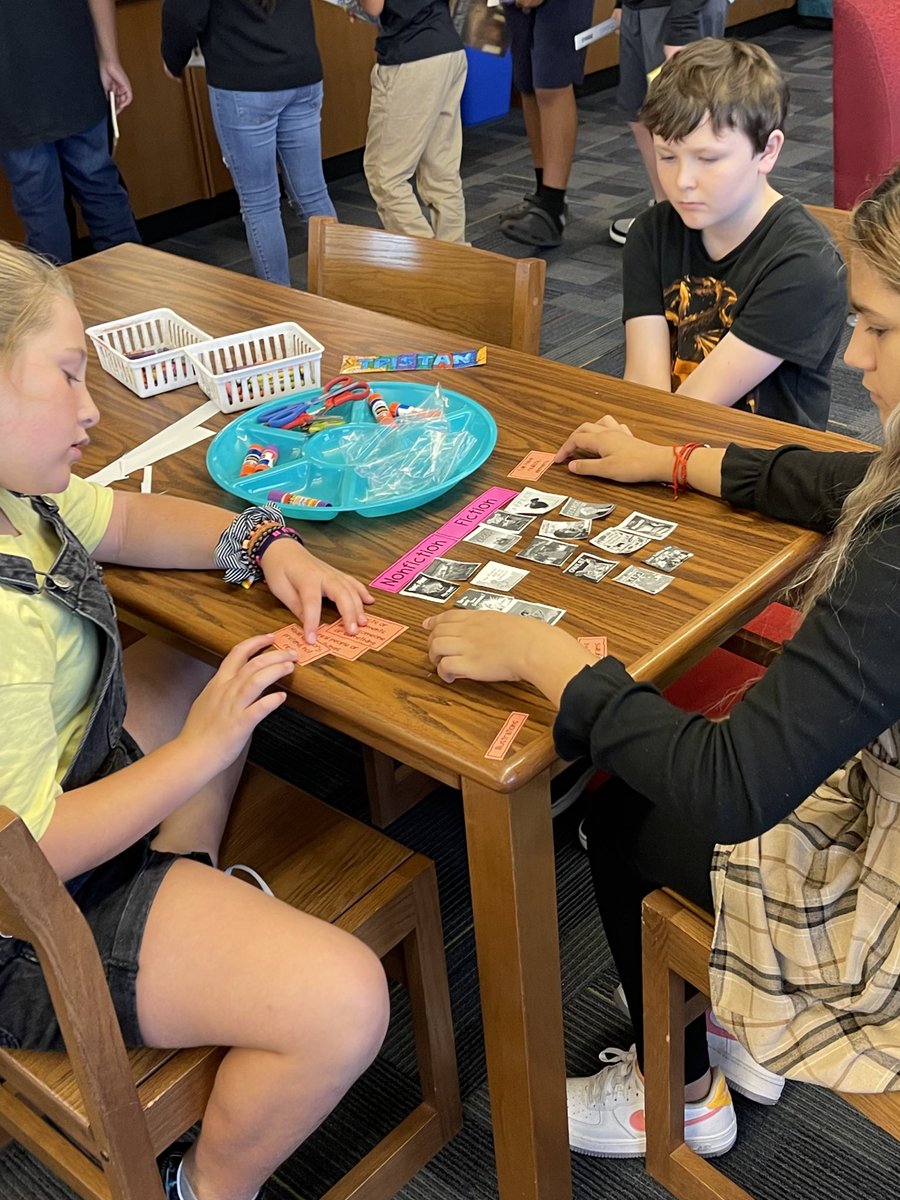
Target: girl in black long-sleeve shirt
x=784, y=819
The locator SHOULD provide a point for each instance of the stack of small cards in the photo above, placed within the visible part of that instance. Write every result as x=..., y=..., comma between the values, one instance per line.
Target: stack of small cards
x=334, y=639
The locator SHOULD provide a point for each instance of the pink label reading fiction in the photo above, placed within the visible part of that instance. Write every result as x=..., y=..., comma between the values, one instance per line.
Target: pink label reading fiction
x=399, y=574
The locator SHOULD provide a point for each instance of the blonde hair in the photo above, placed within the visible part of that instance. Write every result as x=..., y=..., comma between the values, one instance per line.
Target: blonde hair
x=735, y=84
x=29, y=285
x=874, y=237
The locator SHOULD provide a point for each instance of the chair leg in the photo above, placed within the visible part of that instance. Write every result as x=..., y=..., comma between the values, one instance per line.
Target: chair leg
x=666, y=1012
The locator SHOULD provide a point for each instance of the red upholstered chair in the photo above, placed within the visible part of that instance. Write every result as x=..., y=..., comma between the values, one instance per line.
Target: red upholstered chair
x=866, y=95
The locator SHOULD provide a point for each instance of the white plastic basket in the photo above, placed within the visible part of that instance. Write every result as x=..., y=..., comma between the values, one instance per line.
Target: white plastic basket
x=250, y=368
x=138, y=350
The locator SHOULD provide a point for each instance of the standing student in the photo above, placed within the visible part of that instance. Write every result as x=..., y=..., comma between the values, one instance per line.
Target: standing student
x=782, y=819
x=546, y=66
x=129, y=808
x=650, y=32
x=732, y=293
x=265, y=91
x=59, y=60
x=415, y=126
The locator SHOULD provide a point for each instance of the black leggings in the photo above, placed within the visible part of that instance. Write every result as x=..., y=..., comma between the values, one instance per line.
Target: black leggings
x=635, y=848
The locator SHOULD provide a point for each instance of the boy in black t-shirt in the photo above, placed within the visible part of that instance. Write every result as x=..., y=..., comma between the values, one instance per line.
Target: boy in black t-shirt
x=732, y=293
x=415, y=127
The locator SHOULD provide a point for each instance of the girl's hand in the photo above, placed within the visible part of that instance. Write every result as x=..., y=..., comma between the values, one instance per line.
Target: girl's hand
x=609, y=450
x=300, y=580
x=495, y=646
x=235, y=700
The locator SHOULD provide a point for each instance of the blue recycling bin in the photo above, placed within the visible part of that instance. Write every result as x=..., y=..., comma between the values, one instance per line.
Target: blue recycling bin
x=488, y=86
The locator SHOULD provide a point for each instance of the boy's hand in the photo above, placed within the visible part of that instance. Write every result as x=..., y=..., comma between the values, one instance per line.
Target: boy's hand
x=235, y=700
x=492, y=646
x=114, y=79
x=608, y=450
x=300, y=580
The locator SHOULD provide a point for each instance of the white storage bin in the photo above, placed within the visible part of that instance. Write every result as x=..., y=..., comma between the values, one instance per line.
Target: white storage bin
x=138, y=350
x=250, y=368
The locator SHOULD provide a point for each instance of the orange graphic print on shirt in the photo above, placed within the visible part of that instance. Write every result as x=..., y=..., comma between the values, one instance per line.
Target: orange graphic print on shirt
x=700, y=311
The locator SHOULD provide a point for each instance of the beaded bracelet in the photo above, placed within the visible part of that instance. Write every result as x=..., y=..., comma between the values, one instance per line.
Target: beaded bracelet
x=680, y=465
x=259, y=532
x=262, y=543
x=231, y=550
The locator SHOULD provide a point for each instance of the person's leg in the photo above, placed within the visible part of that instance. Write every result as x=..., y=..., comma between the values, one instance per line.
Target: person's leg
x=303, y=1005
x=161, y=685
x=36, y=182
x=635, y=848
x=401, y=119
x=299, y=142
x=246, y=125
x=95, y=182
x=437, y=177
x=712, y=17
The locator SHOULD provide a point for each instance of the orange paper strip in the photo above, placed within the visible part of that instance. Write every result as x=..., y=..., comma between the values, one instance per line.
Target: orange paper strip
x=501, y=744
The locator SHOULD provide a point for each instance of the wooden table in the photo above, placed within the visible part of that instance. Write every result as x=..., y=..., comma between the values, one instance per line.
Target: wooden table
x=392, y=700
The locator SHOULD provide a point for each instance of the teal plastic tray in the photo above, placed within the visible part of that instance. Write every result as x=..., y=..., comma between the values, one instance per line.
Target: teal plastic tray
x=316, y=465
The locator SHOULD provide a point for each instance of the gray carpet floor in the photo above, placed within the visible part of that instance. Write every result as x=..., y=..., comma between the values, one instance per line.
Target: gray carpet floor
x=810, y=1146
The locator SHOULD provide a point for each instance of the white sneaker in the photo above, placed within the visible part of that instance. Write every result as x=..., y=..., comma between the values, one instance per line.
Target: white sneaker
x=743, y=1072
x=606, y=1112
x=620, y=228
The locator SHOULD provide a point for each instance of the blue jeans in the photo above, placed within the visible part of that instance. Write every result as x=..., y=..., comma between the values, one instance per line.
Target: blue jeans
x=83, y=160
x=256, y=131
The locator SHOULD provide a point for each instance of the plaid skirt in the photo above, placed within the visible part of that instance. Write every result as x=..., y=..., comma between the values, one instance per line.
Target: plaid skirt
x=805, y=964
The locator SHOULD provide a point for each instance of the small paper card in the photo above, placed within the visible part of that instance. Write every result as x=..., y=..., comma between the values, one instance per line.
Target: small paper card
x=500, y=746
x=291, y=638
x=375, y=635
x=532, y=466
x=339, y=643
x=596, y=645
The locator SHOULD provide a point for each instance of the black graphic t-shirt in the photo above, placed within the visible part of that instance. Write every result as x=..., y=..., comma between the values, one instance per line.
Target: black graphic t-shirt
x=781, y=291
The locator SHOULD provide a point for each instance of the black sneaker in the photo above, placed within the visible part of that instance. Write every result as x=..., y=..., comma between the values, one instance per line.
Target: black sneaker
x=567, y=786
x=536, y=227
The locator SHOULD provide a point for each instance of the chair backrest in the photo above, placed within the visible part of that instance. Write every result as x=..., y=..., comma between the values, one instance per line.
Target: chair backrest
x=98, y=1116
x=476, y=294
x=866, y=83
x=35, y=906
x=836, y=221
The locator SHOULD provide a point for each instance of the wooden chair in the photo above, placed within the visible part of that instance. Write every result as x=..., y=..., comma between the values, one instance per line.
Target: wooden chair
x=475, y=294
x=677, y=937
x=99, y=1115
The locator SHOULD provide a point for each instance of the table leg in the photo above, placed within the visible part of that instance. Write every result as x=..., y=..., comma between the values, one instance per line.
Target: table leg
x=510, y=849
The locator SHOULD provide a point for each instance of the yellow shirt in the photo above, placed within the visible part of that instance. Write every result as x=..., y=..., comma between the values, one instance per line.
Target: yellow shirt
x=50, y=658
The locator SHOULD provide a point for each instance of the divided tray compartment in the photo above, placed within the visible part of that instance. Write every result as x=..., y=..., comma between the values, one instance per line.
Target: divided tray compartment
x=321, y=466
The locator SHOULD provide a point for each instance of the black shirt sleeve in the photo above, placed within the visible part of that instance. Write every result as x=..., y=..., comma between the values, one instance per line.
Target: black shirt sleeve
x=183, y=21
x=804, y=487
x=642, y=284
x=827, y=695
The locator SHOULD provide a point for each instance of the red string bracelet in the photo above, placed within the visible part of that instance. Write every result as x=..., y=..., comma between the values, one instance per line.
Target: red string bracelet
x=680, y=465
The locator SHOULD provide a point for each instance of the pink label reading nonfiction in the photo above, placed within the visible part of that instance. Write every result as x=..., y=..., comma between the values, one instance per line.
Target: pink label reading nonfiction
x=438, y=543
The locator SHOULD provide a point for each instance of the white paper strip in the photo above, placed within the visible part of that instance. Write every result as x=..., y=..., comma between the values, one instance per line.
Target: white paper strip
x=177, y=436
x=595, y=33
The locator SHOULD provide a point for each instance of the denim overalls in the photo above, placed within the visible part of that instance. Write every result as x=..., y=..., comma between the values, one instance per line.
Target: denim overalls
x=76, y=582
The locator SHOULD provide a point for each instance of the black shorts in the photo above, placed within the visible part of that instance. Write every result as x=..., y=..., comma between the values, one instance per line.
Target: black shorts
x=115, y=899
x=543, y=43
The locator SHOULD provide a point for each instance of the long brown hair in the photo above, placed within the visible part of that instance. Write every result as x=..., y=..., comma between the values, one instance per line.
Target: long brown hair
x=874, y=238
